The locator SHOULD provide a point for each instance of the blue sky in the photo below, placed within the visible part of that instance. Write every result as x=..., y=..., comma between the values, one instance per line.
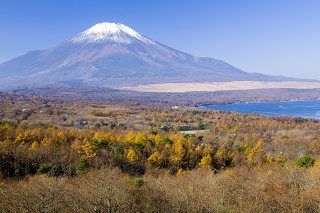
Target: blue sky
x=278, y=37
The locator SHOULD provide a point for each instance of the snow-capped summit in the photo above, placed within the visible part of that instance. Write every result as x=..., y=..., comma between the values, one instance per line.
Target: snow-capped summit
x=107, y=31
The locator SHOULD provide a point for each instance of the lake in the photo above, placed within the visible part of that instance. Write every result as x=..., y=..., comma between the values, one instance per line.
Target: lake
x=305, y=109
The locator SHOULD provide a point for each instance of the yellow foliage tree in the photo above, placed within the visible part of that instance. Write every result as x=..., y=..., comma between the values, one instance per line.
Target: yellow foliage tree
x=100, y=136
x=61, y=137
x=178, y=152
x=155, y=159
x=179, y=172
x=206, y=162
x=34, y=145
x=132, y=156
x=46, y=141
x=270, y=159
x=24, y=137
x=140, y=137
x=5, y=143
x=158, y=140
x=87, y=149
x=129, y=138
x=255, y=154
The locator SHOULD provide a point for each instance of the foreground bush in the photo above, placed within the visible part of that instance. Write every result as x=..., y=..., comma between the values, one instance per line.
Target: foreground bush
x=276, y=189
x=305, y=161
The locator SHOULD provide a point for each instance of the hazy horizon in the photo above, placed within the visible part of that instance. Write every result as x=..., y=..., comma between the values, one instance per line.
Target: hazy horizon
x=270, y=37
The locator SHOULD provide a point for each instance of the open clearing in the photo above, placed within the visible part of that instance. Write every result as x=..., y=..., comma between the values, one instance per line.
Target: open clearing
x=223, y=86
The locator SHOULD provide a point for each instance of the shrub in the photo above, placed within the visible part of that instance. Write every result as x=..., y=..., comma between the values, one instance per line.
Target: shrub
x=44, y=168
x=56, y=170
x=138, y=182
x=305, y=161
x=82, y=167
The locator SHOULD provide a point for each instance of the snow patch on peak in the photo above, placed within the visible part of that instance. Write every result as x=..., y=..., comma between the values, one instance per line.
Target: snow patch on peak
x=106, y=27
x=106, y=31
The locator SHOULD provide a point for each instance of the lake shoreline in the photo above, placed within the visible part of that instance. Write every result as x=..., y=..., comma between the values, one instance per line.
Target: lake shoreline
x=254, y=102
x=308, y=109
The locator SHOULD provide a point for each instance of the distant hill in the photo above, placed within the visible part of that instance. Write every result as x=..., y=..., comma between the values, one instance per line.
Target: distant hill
x=114, y=55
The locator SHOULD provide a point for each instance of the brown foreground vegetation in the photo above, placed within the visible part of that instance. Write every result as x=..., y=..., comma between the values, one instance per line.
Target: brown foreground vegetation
x=271, y=189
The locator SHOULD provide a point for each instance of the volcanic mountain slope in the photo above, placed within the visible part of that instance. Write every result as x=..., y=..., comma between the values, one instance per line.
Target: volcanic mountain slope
x=114, y=55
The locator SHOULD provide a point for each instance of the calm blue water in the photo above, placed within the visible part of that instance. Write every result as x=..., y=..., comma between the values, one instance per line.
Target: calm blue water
x=305, y=109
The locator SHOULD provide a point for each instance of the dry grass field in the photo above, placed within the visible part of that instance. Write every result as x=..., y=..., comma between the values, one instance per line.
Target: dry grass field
x=223, y=86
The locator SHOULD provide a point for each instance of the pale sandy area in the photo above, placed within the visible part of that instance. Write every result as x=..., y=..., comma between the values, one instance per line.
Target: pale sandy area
x=223, y=86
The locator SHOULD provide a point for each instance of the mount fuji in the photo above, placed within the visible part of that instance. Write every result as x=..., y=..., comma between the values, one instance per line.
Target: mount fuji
x=114, y=55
